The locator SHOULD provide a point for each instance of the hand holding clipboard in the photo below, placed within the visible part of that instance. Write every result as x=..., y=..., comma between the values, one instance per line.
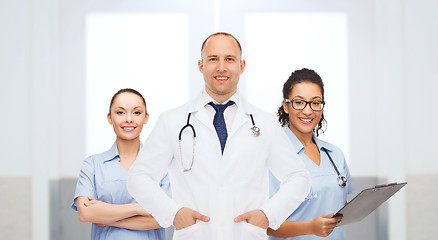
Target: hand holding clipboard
x=367, y=201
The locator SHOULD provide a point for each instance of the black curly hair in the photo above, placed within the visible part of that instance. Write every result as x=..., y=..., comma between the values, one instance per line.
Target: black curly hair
x=299, y=76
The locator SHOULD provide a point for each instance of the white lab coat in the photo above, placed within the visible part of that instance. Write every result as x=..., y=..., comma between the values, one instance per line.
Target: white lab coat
x=219, y=186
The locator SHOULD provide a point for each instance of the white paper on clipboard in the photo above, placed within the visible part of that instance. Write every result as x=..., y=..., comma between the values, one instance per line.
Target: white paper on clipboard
x=367, y=201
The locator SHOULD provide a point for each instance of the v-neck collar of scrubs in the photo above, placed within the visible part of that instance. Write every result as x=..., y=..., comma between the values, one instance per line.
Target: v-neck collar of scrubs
x=299, y=147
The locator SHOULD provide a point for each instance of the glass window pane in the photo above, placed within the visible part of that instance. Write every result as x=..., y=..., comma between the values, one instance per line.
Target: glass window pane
x=278, y=44
x=132, y=50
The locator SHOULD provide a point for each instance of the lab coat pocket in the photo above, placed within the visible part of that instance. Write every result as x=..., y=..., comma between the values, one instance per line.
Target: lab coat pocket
x=252, y=232
x=190, y=232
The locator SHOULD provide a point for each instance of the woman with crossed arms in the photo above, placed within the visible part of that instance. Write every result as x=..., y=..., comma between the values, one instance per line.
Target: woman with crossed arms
x=101, y=195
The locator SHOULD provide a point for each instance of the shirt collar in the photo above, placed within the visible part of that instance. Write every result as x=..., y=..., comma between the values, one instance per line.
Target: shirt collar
x=201, y=101
x=299, y=147
x=322, y=144
x=206, y=98
x=113, y=153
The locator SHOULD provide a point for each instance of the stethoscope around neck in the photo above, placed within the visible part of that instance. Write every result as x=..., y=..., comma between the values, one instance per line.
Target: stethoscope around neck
x=254, y=131
x=342, y=180
x=188, y=125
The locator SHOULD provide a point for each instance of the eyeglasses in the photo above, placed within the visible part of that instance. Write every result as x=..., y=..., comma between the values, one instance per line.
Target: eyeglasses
x=299, y=104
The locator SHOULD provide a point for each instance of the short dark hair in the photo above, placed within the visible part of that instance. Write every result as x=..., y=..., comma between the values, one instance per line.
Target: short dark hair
x=223, y=34
x=127, y=90
x=299, y=76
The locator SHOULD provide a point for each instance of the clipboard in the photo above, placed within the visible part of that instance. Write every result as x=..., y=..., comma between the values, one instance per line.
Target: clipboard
x=367, y=201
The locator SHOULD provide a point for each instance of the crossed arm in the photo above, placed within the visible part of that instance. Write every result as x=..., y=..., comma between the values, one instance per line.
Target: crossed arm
x=130, y=216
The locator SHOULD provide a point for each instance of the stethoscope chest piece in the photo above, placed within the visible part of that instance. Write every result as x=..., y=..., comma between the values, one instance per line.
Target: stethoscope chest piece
x=254, y=131
x=342, y=181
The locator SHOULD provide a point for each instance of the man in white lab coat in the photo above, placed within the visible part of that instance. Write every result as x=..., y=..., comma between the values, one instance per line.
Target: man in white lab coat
x=219, y=187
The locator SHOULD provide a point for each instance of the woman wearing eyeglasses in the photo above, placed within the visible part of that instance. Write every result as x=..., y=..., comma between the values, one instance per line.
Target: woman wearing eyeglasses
x=302, y=115
x=101, y=195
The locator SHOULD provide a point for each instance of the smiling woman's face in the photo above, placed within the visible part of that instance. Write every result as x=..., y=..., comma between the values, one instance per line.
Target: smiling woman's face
x=302, y=122
x=128, y=114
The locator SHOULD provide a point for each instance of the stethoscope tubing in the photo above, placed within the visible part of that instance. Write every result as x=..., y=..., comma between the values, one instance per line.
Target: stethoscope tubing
x=254, y=130
x=342, y=180
x=186, y=126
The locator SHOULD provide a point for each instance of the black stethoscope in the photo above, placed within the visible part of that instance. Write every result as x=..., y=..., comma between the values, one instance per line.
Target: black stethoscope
x=342, y=180
x=254, y=131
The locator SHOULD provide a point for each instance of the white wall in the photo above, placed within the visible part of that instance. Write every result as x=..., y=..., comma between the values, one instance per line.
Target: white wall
x=420, y=61
x=15, y=128
x=30, y=96
x=388, y=88
x=15, y=46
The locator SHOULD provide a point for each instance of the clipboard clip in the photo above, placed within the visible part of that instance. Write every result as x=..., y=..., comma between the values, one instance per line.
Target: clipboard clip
x=386, y=185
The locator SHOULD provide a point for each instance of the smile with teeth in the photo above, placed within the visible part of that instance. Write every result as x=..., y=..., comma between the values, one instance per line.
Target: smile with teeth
x=221, y=78
x=128, y=129
x=306, y=120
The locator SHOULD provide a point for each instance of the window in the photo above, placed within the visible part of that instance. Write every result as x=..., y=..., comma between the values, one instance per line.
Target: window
x=131, y=50
x=278, y=44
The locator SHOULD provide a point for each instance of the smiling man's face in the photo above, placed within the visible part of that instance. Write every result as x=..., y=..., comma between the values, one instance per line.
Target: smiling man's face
x=221, y=66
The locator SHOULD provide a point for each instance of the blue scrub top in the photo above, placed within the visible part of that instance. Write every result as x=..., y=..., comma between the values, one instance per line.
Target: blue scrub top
x=102, y=177
x=330, y=196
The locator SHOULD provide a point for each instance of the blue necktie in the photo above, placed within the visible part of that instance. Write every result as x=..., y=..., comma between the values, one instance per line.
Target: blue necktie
x=219, y=122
